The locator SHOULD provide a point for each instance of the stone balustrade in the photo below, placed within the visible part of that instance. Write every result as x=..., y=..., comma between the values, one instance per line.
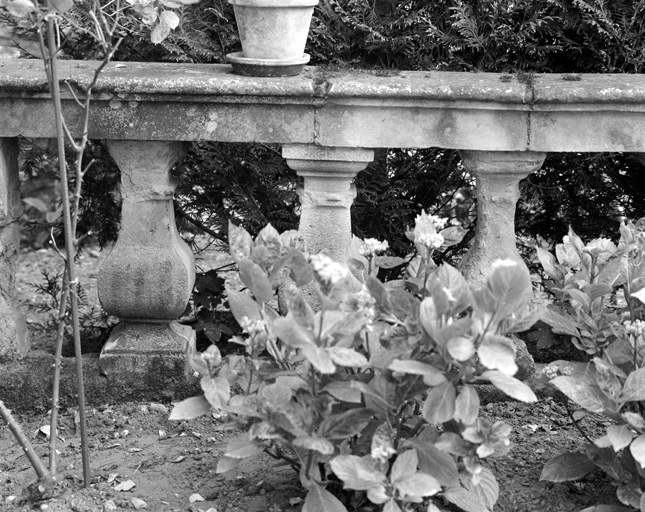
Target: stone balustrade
x=328, y=123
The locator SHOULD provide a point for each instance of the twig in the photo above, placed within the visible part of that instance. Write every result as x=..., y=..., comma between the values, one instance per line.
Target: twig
x=201, y=226
x=575, y=422
x=69, y=245
x=62, y=313
x=44, y=475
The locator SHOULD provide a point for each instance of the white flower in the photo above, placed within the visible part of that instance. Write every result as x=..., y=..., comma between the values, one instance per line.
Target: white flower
x=253, y=327
x=328, y=270
x=382, y=453
x=635, y=328
x=431, y=240
x=372, y=246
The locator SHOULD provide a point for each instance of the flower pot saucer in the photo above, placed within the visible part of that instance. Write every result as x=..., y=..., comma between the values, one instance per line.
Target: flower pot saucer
x=266, y=67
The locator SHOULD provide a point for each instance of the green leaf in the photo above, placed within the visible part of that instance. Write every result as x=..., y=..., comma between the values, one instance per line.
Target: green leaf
x=389, y=262
x=560, y=324
x=417, y=485
x=467, y=405
x=549, y=264
x=314, y=443
x=595, y=291
x=242, y=306
x=629, y=494
x=345, y=425
x=510, y=286
x=404, y=466
x=225, y=464
x=620, y=436
x=428, y=316
x=497, y=353
x=298, y=307
x=256, y=280
x=347, y=357
x=431, y=375
x=461, y=348
x=321, y=500
x=239, y=241
x=487, y=489
x=452, y=235
x=439, y=405
x=391, y=506
x=243, y=447
x=466, y=500
x=581, y=392
x=168, y=21
x=436, y=462
x=634, y=388
x=566, y=467
x=191, y=408
x=379, y=293
x=608, y=461
x=344, y=392
x=637, y=449
x=358, y=473
x=20, y=8
x=276, y=395
x=608, y=508
x=292, y=333
x=301, y=271
x=510, y=385
x=217, y=391
x=319, y=358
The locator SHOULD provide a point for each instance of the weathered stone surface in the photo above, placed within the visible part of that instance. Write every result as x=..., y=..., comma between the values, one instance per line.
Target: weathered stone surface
x=478, y=111
x=498, y=175
x=326, y=200
x=26, y=385
x=148, y=277
x=14, y=342
x=150, y=272
x=145, y=350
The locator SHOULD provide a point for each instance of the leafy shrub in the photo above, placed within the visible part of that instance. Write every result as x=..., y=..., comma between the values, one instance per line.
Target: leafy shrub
x=599, y=291
x=373, y=391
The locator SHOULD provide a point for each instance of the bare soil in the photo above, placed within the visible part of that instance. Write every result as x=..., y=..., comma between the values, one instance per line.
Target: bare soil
x=169, y=462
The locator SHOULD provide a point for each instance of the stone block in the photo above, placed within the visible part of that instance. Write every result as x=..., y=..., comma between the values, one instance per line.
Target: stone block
x=156, y=353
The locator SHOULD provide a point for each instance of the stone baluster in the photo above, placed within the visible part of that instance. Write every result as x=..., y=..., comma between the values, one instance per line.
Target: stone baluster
x=498, y=174
x=325, y=219
x=14, y=342
x=147, y=278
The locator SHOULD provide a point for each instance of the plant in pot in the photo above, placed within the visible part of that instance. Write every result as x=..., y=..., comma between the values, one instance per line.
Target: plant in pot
x=273, y=35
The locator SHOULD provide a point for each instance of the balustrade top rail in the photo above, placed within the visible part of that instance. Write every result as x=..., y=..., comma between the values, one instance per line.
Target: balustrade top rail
x=479, y=111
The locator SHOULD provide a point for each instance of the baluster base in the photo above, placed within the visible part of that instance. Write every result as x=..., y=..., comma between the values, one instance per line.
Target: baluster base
x=150, y=351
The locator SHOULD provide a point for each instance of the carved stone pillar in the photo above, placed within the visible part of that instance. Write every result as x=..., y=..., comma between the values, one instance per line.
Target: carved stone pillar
x=148, y=277
x=498, y=175
x=14, y=342
x=325, y=220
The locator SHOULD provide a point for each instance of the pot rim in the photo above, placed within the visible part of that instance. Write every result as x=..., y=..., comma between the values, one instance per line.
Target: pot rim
x=274, y=3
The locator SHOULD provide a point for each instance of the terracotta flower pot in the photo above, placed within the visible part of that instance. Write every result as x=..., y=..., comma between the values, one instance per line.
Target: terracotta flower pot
x=273, y=35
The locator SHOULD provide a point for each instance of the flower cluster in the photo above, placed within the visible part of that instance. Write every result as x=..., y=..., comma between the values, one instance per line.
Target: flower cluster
x=426, y=231
x=372, y=246
x=327, y=270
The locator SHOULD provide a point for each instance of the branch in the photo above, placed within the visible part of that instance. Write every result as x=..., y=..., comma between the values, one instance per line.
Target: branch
x=44, y=475
x=198, y=224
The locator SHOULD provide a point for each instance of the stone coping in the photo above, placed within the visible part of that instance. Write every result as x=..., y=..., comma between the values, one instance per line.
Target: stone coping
x=330, y=107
